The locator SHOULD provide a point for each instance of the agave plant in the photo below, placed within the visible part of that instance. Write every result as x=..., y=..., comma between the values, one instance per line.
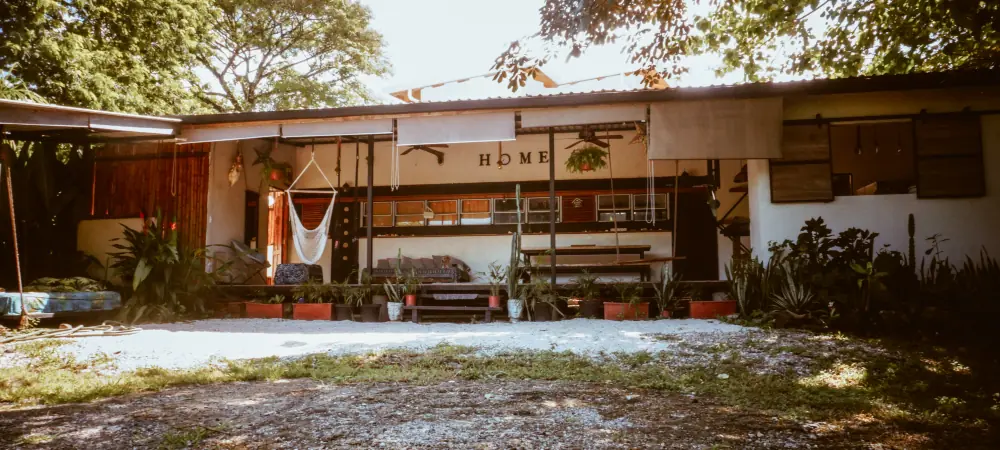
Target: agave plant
x=793, y=297
x=668, y=290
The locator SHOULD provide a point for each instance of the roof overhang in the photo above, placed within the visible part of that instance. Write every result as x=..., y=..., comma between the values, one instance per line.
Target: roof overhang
x=22, y=120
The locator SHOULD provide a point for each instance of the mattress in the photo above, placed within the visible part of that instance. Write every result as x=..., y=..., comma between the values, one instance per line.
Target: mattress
x=59, y=302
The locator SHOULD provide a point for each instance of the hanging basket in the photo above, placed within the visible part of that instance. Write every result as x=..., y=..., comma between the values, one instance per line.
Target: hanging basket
x=587, y=159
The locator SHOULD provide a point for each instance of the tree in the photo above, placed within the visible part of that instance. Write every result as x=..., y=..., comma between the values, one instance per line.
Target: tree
x=118, y=55
x=763, y=38
x=285, y=54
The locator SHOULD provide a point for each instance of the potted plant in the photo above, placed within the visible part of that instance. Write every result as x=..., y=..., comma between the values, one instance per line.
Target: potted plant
x=395, y=303
x=629, y=305
x=354, y=297
x=668, y=291
x=312, y=301
x=587, y=291
x=542, y=300
x=495, y=277
x=377, y=294
x=515, y=293
x=720, y=305
x=587, y=159
x=410, y=283
x=265, y=307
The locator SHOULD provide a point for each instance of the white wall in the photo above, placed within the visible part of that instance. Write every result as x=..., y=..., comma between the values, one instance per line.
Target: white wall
x=478, y=251
x=93, y=237
x=969, y=223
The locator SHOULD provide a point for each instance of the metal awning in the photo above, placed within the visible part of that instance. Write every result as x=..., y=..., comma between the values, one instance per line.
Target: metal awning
x=22, y=120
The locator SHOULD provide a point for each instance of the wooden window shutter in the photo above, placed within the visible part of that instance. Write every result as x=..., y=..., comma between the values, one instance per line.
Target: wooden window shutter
x=804, y=173
x=950, y=157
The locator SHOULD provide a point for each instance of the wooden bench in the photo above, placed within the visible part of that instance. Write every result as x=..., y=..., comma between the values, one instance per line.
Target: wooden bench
x=415, y=311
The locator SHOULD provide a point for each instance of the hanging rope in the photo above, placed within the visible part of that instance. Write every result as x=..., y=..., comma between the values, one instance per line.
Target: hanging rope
x=673, y=234
x=394, y=170
x=107, y=328
x=614, y=208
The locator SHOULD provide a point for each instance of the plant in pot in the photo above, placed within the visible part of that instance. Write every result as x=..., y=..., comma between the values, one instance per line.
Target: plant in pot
x=542, y=300
x=395, y=303
x=265, y=307
x=410, y=283
x=313, y=301
x=378, y=295
x=495, y=276
x=587, y=159
x=516, y=291
x=629, y=305
x=357, y=298
x=587, y=290
x=668, y=291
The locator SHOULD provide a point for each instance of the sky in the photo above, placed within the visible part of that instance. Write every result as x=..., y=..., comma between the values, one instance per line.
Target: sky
x=430, y=41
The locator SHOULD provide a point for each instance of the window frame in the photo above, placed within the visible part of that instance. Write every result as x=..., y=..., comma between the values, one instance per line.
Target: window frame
x=489, y=211
x=665, y=208
x=613, y=210
x=528, y=209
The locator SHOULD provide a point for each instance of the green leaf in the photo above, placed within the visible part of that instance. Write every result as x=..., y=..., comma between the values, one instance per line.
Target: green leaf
x=141, y=272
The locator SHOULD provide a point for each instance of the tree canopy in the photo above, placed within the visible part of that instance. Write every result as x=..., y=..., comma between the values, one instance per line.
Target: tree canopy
x=763, y=38
x=186, y=56
x=286, y=54
x=117, y=55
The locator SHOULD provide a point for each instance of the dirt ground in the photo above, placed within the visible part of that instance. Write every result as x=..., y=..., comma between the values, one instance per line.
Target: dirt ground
x=459, y=414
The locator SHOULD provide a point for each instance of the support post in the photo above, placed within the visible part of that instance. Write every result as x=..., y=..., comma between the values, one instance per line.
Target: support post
x=552, y=204
x=371, y=197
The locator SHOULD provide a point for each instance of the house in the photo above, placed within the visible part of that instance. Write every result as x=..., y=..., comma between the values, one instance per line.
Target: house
x=859, y=152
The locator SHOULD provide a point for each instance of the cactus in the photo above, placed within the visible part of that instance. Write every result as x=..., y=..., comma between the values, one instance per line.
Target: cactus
x=911, y=257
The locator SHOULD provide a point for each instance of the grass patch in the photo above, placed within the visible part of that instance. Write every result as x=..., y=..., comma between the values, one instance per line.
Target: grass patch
x=185, y=438
x=924, y=389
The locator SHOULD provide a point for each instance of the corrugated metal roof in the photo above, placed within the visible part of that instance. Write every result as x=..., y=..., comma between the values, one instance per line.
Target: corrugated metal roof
x=743, y=90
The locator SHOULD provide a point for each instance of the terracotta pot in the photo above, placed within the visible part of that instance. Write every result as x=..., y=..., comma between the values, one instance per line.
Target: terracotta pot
x=585, y=167
x=344, y=312
x=665, y=313
x=276, y=175
x=590, y=309
x=625, y=311
x=264, y=310
x=494, y=301
x=410, y=299
x=543, y=313
x=712, y=309
x=312, y=311
x=369, y=313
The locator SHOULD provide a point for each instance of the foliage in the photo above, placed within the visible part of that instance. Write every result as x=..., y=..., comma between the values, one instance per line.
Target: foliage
x=272, y=173
x=586, y=286
x=163, y=282
x=793, y=296
x=73, y=284
x=276, y=299
x=313, y=292
x=669, y=289
x=393, y=291
x=541, y=291
x=764, y=38
x=591, y=156
x=117, y=55
x=289, y=54
x=354, y=295
x=516, y=289
x=495, y=275
x=628, y=292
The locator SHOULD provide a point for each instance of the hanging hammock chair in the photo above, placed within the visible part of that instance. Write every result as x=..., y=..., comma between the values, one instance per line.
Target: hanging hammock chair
x=310, y=244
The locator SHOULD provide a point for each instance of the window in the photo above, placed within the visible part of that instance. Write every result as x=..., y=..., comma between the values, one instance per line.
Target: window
x=872, y=158
x=445, y=212
x=383, y=214
x=475, y=212
x=410, y=213
x=642, y=211
x=614, y=207
x=505, y=211
x=538, y=210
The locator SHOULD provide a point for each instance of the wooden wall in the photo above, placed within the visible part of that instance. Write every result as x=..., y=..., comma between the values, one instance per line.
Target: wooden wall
x=144, y=178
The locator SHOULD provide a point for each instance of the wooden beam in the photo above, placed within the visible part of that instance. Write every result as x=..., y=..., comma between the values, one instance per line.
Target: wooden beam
x=552, y=204
x=371, y=194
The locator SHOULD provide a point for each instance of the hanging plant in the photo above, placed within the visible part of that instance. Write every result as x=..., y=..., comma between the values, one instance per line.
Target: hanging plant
x=587, y=159
x=272, y=172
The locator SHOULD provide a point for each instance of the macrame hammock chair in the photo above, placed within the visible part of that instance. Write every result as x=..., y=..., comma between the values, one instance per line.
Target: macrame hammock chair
x=310, y=244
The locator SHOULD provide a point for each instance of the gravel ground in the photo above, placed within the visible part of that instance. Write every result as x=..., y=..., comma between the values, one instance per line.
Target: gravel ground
x=306, y=414
x=194, y=344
